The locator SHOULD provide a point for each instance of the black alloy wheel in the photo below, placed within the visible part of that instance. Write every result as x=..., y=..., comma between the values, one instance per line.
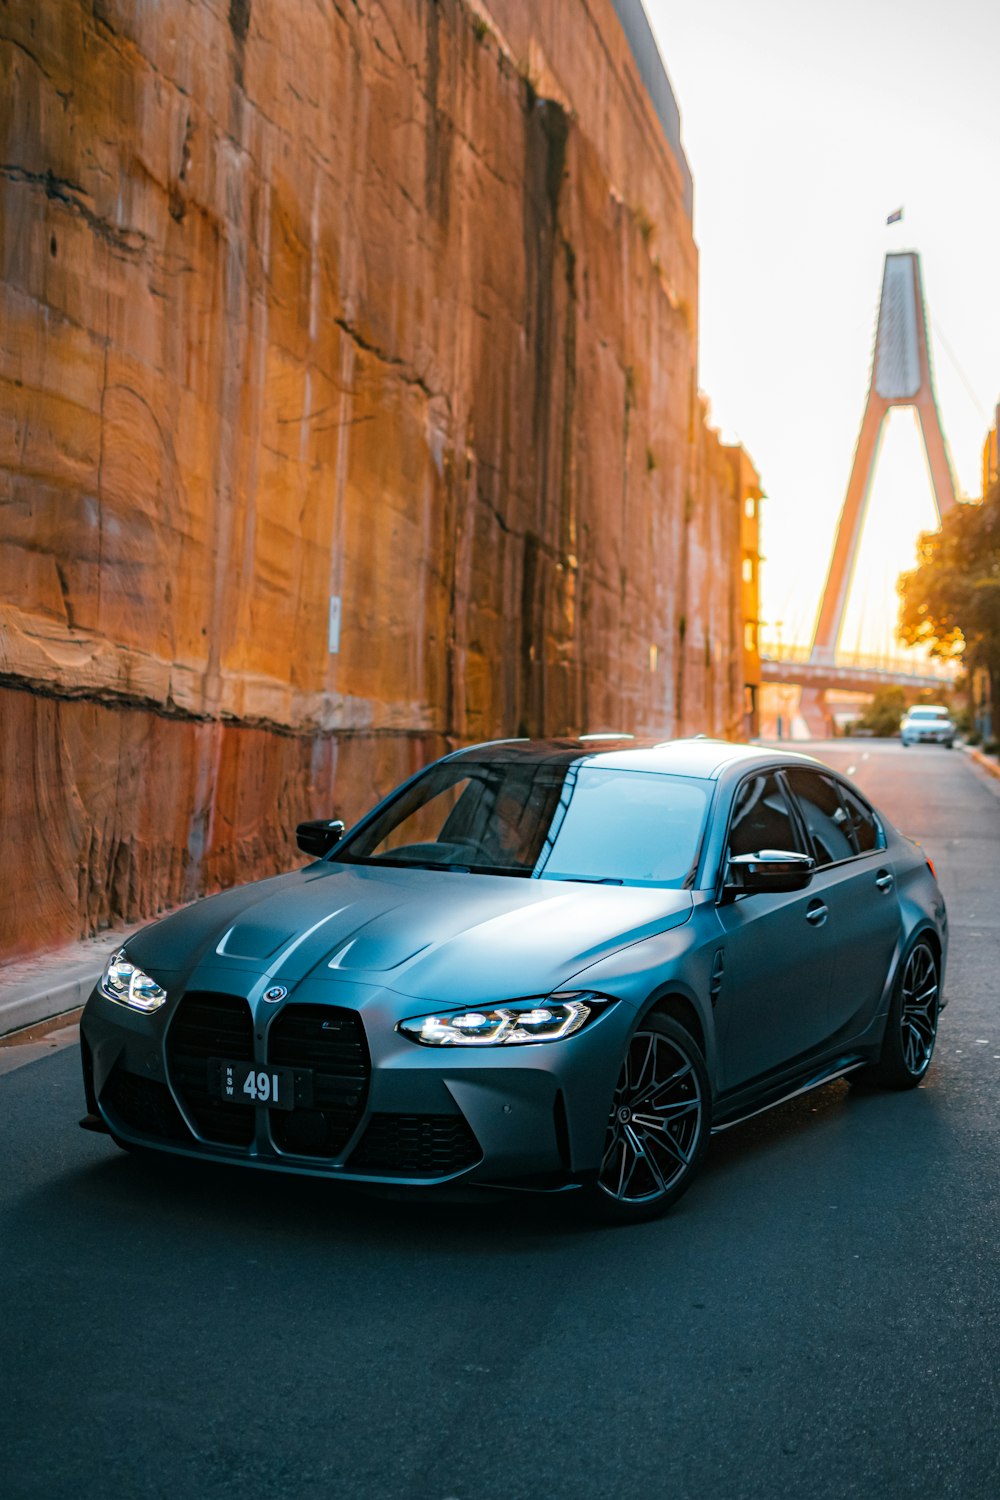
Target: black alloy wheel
x=658, y=1127
x=911, y=1027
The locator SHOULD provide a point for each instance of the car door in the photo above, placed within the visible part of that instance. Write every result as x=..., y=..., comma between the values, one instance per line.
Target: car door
x=776, y=950
x=865, y=920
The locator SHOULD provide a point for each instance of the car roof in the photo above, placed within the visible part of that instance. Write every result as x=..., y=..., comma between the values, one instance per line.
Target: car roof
x=699, y=757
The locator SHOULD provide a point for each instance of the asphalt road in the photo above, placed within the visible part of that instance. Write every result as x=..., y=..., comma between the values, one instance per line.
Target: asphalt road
x=818, y=1317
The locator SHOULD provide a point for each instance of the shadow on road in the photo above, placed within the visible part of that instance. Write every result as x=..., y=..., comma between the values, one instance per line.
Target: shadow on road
x=173, y=1196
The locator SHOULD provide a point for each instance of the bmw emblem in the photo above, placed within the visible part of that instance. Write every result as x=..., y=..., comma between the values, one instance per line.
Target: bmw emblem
x=275, y=993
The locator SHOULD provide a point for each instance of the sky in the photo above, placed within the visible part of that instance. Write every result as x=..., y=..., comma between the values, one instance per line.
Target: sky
x=805, y=126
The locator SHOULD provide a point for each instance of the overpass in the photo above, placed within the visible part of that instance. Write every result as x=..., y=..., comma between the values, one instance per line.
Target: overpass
x=797, y=667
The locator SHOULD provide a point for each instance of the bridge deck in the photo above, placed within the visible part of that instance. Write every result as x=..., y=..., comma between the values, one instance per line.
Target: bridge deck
x=850, y=677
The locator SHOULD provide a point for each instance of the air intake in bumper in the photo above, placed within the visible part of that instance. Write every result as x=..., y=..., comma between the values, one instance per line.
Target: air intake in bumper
x=415, y=1146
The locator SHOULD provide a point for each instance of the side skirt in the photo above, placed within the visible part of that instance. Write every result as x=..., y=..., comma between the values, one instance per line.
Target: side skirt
x=817, y=1081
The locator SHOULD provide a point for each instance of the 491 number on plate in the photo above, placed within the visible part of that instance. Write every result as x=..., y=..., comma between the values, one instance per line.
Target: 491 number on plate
x=263, y=1088
x=243, y=1083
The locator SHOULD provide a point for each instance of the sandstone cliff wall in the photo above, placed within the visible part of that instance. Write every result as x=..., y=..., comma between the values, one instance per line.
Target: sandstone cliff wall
x=305, y=302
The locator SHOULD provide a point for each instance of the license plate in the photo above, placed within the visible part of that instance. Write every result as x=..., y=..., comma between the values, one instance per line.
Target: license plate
x=273, y=1088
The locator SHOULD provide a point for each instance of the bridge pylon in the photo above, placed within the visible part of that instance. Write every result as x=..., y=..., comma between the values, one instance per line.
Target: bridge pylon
x=900, y=376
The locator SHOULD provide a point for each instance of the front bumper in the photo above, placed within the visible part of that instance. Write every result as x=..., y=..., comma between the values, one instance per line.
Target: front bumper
x=384, y=1110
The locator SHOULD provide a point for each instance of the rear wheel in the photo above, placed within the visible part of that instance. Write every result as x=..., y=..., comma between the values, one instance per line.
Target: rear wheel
x=658, y=1126
x=911, y=1028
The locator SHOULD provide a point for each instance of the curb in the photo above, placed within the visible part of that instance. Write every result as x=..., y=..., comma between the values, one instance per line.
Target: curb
x=19, y=1010
x=31, y=1010
x=51, y=984
x=46, y=985
x=986, y=761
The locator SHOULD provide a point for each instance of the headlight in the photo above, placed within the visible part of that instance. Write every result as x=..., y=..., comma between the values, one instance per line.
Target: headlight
x=542, y=1020
x=127, y=985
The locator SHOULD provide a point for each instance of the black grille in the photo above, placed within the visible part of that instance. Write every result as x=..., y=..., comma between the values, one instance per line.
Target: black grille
x=142, y=1106
x=331, y=1043
x=205, y=1026
x=415, y=1146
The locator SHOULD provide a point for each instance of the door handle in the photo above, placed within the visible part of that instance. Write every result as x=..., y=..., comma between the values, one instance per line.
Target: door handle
x=884, y=881
x=817, y=914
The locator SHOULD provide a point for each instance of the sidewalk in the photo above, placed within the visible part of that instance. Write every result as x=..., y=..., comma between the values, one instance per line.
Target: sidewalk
x=50, y=984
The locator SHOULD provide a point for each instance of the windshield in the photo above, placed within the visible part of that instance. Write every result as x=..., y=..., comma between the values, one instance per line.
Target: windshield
x=928, y=713
x=543, y=821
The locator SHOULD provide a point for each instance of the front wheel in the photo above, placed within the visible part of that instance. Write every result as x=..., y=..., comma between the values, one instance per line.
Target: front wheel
x=658, y=1127
x=911, y=1028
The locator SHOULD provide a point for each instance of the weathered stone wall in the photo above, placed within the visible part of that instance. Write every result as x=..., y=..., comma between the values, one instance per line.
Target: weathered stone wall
x=312, y=300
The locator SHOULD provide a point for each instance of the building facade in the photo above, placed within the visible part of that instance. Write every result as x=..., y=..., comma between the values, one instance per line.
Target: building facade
x=746, y=485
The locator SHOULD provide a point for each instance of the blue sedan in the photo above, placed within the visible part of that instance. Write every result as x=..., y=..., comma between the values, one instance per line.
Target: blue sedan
x=557, y=965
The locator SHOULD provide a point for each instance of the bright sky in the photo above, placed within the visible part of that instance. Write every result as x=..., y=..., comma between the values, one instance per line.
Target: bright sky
x=805, y=125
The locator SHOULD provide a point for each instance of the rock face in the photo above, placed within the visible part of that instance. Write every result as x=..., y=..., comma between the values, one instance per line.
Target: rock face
x=365, y=327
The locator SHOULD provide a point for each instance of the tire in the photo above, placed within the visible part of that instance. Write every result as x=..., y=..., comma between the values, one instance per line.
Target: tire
x=911, y=1026
x=658, y=1127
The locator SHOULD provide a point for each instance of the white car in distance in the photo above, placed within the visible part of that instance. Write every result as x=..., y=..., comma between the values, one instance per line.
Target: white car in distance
x=927, y=724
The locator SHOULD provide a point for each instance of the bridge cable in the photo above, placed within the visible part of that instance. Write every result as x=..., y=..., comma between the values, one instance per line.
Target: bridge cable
x=959, y=371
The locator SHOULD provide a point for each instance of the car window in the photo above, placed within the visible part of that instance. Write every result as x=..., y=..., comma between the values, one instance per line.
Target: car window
x=461, y=815
x=823, y=814
x=541, y=820
x=428, y=822
x=626, y=826
x=865, y=827
x=762, y=818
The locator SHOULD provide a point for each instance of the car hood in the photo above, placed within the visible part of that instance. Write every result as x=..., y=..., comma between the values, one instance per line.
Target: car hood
x=423, y=933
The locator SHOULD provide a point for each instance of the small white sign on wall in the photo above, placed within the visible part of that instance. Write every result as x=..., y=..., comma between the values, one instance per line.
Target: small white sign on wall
x=333, y=632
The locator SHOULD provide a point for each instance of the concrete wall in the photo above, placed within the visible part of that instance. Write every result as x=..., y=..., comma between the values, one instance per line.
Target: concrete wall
x=380, y=303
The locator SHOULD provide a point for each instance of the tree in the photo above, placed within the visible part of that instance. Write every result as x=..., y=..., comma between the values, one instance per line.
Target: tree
x=950, y=601
x=883, y=713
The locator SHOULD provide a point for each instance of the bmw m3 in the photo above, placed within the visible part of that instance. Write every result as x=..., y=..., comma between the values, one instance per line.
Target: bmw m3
x=556, y=965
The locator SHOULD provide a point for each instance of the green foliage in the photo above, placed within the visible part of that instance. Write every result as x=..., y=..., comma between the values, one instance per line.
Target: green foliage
x=883, y=714
x=950, y=601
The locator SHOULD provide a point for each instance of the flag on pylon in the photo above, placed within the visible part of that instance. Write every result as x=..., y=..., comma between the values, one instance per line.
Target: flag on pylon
x=895, y=218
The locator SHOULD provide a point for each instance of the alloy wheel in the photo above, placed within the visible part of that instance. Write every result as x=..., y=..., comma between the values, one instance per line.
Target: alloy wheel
x=656, y=1120
x=918, y=1010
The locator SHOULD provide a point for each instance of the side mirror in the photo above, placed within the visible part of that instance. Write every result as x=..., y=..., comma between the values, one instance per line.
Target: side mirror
x=767, y=870
x=318, y=836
